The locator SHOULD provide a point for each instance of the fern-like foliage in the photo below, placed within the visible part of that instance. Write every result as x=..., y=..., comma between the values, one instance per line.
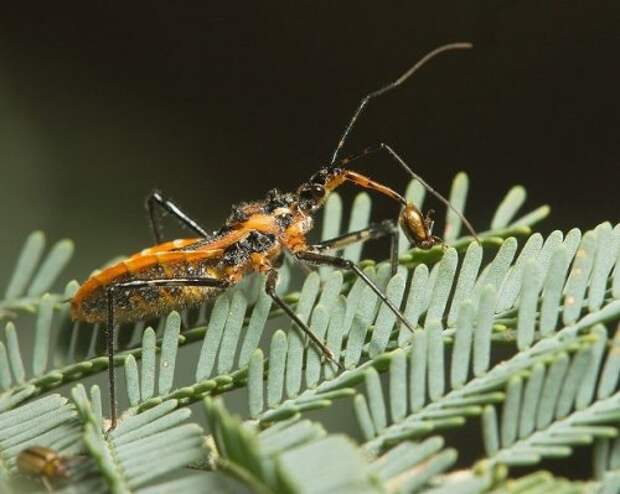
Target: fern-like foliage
x=517, y=334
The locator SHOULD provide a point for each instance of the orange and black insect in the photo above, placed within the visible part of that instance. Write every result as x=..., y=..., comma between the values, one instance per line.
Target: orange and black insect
x=184, y=272
x=42, y=462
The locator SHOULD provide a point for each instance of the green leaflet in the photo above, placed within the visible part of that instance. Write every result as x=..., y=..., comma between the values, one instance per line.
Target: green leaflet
x=508, y=207
x=26, y=264
x=294, y=362
x=143, y=447
x=255, y=328
x=132, y=380
x=332, y=217
x=458, y=197
x=360, y=215
x=169, y=349
x=563, y=389
x=255, y=383
x=30, y=281
x=212, y=338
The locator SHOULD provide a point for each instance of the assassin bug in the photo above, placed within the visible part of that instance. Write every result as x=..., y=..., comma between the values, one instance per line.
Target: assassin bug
x=184, y=272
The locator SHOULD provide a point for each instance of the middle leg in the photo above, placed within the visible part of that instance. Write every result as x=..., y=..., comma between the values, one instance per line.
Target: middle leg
x=338, y=262
x=373, y=231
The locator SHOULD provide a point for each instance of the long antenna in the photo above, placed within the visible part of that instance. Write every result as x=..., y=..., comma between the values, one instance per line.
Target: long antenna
x=389, y=87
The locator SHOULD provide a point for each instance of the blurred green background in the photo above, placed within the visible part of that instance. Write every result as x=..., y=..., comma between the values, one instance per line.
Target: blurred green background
x=100, y=102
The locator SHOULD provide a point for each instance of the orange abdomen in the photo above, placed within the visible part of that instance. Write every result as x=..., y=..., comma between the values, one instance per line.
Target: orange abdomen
x=90, y=303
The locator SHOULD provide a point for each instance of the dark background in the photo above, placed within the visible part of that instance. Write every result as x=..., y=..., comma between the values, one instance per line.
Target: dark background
x=100, y=102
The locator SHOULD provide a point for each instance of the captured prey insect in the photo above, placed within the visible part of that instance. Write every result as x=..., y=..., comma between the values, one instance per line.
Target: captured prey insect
x=184, y=272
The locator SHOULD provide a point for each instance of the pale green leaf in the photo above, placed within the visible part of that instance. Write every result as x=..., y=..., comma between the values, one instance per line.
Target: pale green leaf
x=375, y=400
x=277, y=368
x=552, y=291
x=551, y=390
x=417, y=371
x=318, y=324
x=386, y=318
x=482, y=330
x=466, y=279
x=509, y=206
x=360, y=215
x=148, y=363
x=435, y=360
x=27, y=262
x=510, y=411
x=259, y=316
x=132, y=380
x=15, y=356
x=213, y=335
x=531, y=398
x=255, y=383
x=442, y=286
x=296, y=340
x=54, y=263
x=42, y=335
x=461, y=350
x=458, y=198
x=511, y=287
x=532, y=281
x=589, y=378
x=414, y=306
x=578, y=278
x=398, y=385
x=169, y=350
x=232, y=331
x=611, y=370
x=490, y=434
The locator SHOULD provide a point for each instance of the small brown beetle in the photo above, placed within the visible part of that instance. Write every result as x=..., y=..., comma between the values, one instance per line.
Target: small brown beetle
x=42, y=462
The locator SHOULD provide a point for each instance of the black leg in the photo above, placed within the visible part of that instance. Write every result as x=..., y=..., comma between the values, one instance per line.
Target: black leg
x=109, y=333
x=109, y=344
x=338, y=262
x=155, y=198
x=270, y=288
x=373, y=231
x=394, y=251
x=205, y=282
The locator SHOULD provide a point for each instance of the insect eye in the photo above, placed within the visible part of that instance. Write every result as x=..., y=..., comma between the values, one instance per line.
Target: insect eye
x=317, y=191
x=312, y=192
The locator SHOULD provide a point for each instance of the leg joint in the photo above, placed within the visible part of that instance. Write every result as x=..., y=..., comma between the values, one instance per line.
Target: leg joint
x=154, y=197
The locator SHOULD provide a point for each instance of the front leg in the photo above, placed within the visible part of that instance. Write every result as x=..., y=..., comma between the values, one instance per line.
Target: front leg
x=373, y=231
x=338, y=262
